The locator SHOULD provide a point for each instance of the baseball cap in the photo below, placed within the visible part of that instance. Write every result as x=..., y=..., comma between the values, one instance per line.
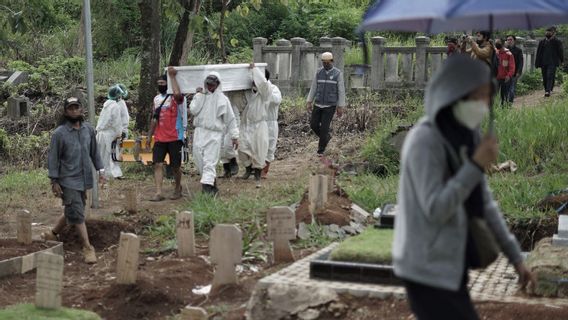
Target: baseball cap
x=72, y=101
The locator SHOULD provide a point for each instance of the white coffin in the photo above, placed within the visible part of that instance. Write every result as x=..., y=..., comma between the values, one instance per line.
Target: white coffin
x=234, y=77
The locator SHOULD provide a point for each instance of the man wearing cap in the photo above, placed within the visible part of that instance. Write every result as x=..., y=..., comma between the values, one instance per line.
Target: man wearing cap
x=549, y=55
x=167, y=128
x=328, y=94
x=72, y=150
x=109, y=128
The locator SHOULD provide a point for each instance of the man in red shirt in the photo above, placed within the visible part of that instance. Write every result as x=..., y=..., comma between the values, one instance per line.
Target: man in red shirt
x=505, y=70
x=169, y=123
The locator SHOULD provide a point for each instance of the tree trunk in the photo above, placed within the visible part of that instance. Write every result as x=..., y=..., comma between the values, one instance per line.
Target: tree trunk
x=149, y=60
x=222, y=30
x=181, y=35
x=80, y=41
x=188, y=44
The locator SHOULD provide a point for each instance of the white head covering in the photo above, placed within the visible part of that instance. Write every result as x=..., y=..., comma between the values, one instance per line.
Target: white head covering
x=327, y=56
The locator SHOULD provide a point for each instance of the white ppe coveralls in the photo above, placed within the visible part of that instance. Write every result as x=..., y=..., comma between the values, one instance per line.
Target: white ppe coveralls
x=228, y=152
x=272, y=121
x=124, y=116
x=212, y=113
x=253, y=146
x=109, y=128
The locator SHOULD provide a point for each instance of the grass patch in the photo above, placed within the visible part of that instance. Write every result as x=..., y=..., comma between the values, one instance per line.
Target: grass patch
x=22, y=184
x=371, y=246
x=30, y=312
x=369, y=191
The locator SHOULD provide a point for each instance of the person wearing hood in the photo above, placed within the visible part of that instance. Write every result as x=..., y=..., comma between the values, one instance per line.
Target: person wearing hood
x=272, y=123
x=254, y=130
x=72, y=154
x=168, y=126
x=443, y=196
x=212, y=115
x=228, y=152
x=549, y=55
x=124, y=116
x=109, y=128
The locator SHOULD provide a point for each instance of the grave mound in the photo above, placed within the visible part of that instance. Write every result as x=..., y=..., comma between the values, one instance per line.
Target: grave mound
x=102, y=234
x=336, y=211
x=10, y=248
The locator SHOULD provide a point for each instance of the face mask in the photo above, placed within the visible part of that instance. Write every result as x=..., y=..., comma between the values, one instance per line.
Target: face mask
x=163, y=89
x=499, y=46
x=470, y=113
x=327, y=66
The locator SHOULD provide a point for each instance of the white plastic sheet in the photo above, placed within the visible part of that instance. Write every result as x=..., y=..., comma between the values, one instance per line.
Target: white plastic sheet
x=234, y=77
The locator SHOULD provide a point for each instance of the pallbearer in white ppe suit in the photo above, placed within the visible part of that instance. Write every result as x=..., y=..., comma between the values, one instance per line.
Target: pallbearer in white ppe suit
x=109, y=128
x=212, y=114
x=272, y=123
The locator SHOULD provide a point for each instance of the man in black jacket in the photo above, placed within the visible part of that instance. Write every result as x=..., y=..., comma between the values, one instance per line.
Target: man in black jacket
x=549, y=56
x=519, y=62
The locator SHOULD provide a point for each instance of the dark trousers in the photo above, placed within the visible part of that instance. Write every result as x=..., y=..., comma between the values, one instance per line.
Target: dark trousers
x=429, y=303
x=504, y=88
x=548, y=75
x=512, y=88
x=320, y=124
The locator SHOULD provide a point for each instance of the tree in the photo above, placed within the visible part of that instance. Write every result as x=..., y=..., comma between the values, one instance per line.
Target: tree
x=149, y=59
x=184, y=35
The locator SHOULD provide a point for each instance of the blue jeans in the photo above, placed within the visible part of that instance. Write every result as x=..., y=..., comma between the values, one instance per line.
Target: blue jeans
x=512, y=88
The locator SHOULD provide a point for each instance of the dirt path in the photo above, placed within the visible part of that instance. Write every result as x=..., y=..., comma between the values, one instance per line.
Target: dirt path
x=536, y=98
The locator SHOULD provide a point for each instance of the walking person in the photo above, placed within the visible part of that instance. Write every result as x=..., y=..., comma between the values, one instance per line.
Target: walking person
x=212, y=116
x=168, y=126
x=549, y=55
x=327, y=93
x=229, y=154
x=445, y=204
x=519, y=63
x=72, y=152
x=505, y=70
x=109, y=129
x=272, y=123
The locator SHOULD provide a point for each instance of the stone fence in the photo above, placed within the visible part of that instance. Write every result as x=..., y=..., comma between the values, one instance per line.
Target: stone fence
x=293, y=63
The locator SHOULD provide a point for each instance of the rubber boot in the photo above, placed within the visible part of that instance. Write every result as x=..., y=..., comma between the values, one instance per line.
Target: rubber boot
x=234, y=166
x=257, y=173
x=247, y=173
x=214, y=188
x=264, y=173
x=227, y=170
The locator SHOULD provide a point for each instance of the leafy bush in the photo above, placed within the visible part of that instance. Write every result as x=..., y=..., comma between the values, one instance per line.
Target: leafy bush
x=25, y=151
x=529, y=82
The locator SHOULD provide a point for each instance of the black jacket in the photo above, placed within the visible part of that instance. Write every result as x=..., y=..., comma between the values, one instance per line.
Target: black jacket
x=549, y=52
x=519, y=59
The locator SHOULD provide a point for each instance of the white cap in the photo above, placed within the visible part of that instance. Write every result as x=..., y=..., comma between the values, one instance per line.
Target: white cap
x=327, y=56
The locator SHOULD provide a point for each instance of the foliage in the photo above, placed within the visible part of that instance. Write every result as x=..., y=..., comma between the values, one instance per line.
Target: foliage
x=369, y=191
x=29, y=311
x=528, y=82
x=25, y=151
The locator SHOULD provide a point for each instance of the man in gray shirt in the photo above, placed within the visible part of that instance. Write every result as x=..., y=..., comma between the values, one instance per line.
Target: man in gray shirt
x=73, y=147
x=328, y=89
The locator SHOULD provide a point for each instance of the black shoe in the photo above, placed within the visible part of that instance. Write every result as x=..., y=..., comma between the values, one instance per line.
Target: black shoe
x=248, y=172
x=257, y=173
x=234, y=166
x=209, y=189
x=227, y=170
x=547, y=94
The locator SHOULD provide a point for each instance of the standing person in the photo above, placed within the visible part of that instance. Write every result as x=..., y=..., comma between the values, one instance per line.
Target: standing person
x=443, y=189
x=519, y=63
x=452, y=46
x=228, y=152
x=254, y=129
x=272, y=123
x=481, y=48
x=124, y=116
x=549, y=55
x=72, y=150
x=168, y=126
x=328, y=93
x=212, y=115
x=505, y=70
x=109, y=129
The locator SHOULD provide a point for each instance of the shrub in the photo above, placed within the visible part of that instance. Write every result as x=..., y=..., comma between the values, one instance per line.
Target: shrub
x=528, y=82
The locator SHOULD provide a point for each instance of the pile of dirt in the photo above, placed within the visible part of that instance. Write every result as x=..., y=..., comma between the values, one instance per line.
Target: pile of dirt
x=530, y=231
x=336, y=211
x=102, y=234
x=555, y=202
x=10, y=248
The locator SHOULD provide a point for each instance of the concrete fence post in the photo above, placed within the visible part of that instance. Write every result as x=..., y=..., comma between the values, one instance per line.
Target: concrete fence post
x=530, y=57
x=283, y=59
x=377, y=63
x=421, y=60
x=338, y=45
x=297, y=65
x=258, y=44
x=325, y=42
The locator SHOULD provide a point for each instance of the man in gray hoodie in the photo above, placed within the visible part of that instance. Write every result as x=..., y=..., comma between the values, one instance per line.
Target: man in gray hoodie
x=442, y=189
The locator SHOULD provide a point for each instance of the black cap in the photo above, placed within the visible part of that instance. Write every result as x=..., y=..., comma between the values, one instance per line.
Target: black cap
x=71, y=101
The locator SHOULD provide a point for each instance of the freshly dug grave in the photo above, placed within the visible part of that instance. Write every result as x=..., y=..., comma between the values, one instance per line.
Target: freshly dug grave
x=10, y=248
x=554, y=202
x=530, y=231
x=371, y=246
x=102, y=234
x=337, y=210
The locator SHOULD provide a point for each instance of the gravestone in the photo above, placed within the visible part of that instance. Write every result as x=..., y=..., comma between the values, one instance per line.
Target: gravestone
x=18, y=107
x=561, y=238
x=127, y=263
x=131, y=200
x=225, y=250
x=281, y=228
x=185, y=234
x=318, y=192
x=24, y=227
x=17, y=77
x=49, y=281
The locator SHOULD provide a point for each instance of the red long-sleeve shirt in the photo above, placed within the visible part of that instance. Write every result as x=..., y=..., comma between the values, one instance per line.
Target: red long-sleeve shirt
x=506, y=64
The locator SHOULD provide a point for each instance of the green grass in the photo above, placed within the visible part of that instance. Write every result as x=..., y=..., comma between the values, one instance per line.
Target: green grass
x=371, y=246
x=30, y=312
x=369, y=191
x=23, y=184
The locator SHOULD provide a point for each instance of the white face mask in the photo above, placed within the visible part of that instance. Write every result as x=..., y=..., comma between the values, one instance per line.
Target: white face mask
x=470, y=113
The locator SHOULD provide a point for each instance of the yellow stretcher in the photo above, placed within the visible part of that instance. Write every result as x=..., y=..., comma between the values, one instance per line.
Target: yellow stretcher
x=134, y=150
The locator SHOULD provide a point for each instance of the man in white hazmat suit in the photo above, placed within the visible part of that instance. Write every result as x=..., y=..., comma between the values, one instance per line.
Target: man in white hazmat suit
x=228, y=153
x=124, y=116
x=109, y=128
x=254, y=131
x=272, y=123
x=212, y=113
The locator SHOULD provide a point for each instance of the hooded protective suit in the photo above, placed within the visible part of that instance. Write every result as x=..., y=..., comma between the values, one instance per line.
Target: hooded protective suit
x=254, y=131
x=212, y=114
x=272, y=121
x=109, y=127
x=124, y=117
x=227, y=150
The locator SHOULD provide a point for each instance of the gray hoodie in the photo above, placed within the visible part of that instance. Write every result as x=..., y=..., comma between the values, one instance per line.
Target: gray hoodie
x=431, y=225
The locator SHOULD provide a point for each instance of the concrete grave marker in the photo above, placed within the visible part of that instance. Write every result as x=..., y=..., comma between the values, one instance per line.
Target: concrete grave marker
x=225, y=250
x=49, y=281
x=127, y=263
x=318, y=192
x=563, y=226
x=185, y=234
x=131, y=200
x=24, y=227
x=281, y=228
